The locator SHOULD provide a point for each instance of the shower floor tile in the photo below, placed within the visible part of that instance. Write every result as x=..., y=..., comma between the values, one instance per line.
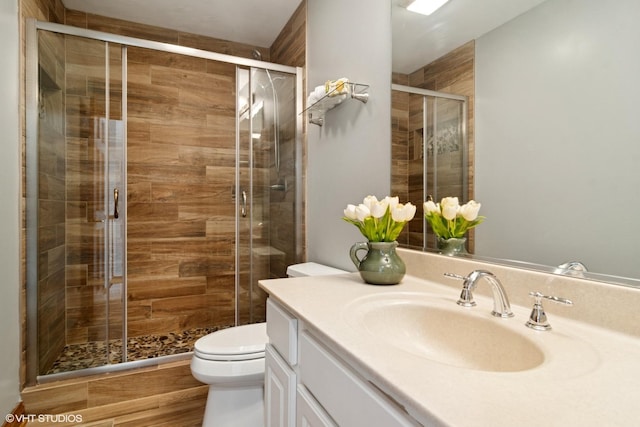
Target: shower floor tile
x=94, y=354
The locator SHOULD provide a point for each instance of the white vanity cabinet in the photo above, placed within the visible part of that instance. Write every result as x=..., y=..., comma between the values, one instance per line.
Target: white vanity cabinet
x=309, y=413
x=307, y=385
x=288, y=402
x=281, y=358
x=279, y=390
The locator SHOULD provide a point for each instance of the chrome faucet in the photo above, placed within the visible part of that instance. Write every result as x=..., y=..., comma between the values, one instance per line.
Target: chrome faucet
x=571, y=268
x=501, y=306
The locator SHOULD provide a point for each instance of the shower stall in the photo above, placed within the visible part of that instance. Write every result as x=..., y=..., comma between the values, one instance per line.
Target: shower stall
x=162, y=182
x=429, y=153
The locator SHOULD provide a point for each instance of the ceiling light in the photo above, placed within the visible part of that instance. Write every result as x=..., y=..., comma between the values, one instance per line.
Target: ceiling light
x=426, y=7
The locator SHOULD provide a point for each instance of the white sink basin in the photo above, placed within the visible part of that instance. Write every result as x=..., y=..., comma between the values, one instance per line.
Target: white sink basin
x=441, y=331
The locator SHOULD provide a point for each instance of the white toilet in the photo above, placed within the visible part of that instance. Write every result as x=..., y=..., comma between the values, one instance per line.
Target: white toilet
x=231, y=361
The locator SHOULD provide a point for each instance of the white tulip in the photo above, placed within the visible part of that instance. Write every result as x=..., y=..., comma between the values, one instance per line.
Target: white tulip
x=397, y=213
x=371, y=218
x=350, y=212
x=392, y=201
x=430, y=207
x=410, y=210
x=469, y=211
x=369, y=201
x=379, y=208
x=450, y=207
x=403, y=213
x=362, y=212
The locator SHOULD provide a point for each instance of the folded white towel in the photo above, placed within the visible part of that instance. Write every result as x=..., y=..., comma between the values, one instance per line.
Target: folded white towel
x=339, y=98
x=312, y=99
x=338, y=94
x=332, y=101
x=319, y=91
x=337, y=87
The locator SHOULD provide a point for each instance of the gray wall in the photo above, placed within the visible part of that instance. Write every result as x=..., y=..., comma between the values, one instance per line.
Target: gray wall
x=348, y=157
x=557, y=136
x=9, y=208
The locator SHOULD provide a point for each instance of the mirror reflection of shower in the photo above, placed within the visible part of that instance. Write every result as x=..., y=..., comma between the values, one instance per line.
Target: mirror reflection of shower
x=431, y=148
x=281, y=181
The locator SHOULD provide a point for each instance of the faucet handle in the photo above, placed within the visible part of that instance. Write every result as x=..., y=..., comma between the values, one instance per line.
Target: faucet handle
x=455, y=276
x=466, y=295
x=538, y=318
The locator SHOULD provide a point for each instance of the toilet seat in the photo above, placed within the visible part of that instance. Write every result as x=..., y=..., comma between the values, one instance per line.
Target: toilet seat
x=246, y=342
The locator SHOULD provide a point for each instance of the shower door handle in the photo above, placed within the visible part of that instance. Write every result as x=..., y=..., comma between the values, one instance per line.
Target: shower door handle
x=243, y=208
x=116, y=196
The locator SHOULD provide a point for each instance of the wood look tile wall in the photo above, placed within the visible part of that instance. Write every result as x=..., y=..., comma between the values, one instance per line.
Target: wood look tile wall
x=165, y=35
x=163, y=395
x=51, y=202
x=289, y=48
x=180, y=277
x=180, y=168
x=18, y=414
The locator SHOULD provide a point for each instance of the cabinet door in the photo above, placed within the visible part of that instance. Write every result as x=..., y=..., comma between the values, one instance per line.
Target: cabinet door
x=309, y=413
x=279, y=390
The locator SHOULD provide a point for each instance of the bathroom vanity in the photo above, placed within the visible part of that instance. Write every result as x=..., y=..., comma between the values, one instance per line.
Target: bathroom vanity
x=306, y=384
x=343, y=353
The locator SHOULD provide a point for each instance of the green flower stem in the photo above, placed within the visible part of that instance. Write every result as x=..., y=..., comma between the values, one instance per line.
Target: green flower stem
x=455, y=228
x=384, y=229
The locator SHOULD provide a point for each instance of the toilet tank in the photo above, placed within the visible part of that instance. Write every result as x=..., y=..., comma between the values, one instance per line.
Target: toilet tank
x=312, y=269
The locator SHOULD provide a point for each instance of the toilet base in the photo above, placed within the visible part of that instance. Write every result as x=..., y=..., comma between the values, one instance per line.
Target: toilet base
x=240, y=406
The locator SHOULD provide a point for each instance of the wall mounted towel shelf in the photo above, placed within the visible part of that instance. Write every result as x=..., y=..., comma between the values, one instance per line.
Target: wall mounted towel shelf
x=317, y=110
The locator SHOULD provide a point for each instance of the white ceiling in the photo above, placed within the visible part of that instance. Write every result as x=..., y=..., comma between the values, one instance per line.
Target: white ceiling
x=417, y=39
x=254, y=22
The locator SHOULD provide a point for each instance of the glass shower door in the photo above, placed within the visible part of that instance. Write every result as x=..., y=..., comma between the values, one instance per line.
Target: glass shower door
x=266, y=185
x=75, y=206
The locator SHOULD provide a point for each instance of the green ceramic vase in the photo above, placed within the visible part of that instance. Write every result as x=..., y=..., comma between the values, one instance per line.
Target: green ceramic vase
x=381, y=265
x=452, y=246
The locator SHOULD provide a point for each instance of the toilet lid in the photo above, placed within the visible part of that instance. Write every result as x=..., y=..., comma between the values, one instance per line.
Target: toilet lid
x=238, y=343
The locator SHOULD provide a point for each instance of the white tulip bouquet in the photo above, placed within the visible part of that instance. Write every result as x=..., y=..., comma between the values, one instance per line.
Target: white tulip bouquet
x=450, y=220
x=380, y=220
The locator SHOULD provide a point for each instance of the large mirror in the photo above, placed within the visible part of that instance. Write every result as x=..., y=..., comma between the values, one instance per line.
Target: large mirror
x=553, y=136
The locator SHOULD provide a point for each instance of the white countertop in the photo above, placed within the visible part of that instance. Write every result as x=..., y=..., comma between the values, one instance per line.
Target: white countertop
x=590, y=375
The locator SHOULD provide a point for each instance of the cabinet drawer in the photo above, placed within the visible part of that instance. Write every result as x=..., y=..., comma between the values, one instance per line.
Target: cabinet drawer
x=350, y=401
x=282, y=329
